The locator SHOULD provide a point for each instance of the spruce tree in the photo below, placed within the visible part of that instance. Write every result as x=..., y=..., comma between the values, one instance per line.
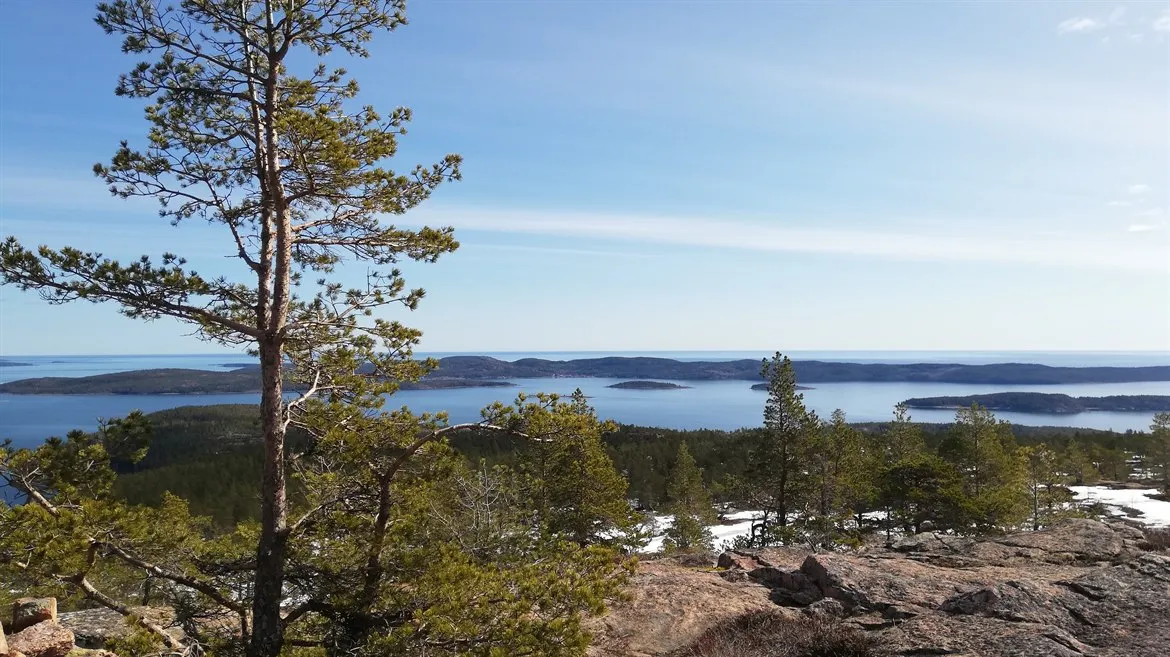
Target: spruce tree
x=690, y=504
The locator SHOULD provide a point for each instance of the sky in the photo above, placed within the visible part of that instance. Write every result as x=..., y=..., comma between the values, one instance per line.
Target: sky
x=672, y=175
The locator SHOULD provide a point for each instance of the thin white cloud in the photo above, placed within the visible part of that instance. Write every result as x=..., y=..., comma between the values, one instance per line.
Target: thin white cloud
x=1079, y=24
x=602, y=253
x=1146, y=228
x=1162, y=23
x=1117, y=16
x=1138, y=190
x=960, y=244
x=1120, y=204
x=1151, y=212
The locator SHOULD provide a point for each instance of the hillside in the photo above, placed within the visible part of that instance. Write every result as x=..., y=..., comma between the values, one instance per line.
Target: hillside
x=1040, y=402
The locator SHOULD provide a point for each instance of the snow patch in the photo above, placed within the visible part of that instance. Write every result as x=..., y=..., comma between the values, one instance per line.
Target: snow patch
x=1154, y=513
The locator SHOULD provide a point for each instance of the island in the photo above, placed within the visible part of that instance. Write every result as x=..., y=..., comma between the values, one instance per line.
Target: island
x=177, y=381
x=647, y=385
x=765, y=386
x=13, y=363
x=1043, y=402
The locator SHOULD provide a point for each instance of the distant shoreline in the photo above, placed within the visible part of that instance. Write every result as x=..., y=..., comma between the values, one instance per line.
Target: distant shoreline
x=485, y=371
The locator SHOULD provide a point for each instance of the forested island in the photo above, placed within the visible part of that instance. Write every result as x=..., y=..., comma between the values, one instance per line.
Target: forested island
x=647, y=385
x=13, y=363
x=764, y=387
x=1042, y=402
x=484, y=371
x=177, y=381
x=808, y=371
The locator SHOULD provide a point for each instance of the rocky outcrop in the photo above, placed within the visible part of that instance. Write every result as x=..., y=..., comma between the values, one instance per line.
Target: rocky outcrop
x=1082, y=588
x=670, y=605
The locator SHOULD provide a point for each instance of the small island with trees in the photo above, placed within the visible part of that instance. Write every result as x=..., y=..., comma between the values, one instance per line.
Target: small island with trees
x=647, y=385
x=1042, y=402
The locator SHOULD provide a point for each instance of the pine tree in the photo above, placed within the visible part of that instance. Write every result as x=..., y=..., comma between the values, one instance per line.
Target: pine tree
x=902, y=439
x=1049, y=498
x=578, y=493
x=1159, y=449
x=924, y=488
x=397, y=546
x=777, y=481
x=994, y=474
x=1078, y=465
x=251, y=131
x=900, y=447
x=690, y=504
x=843, y=474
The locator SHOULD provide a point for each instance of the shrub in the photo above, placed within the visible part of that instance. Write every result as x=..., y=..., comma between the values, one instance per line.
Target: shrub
x=765, y=634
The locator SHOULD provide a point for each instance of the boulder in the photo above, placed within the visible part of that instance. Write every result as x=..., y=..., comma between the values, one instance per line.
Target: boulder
x=45, y=639
x=27, y=612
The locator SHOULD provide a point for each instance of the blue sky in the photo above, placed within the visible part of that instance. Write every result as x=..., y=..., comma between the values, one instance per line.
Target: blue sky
x=694, y=175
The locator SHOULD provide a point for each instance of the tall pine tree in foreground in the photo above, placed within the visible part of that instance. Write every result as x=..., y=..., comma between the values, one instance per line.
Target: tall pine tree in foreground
x=777, y=481
x=251, y=131
x=690, y=503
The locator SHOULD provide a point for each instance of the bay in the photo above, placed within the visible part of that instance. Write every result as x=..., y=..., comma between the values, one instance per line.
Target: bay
x=705, y=404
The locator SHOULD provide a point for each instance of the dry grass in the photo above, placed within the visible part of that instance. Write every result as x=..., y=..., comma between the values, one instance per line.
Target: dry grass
x=766, y=634
x=1157, y=539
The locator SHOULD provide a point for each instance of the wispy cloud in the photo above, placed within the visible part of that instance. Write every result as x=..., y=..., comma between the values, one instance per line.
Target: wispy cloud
x=1150, y=212
x=1162, y=23
x=1146, y=228
x=959, y=244
x=1138, y=190
x=601, y=253
x=1079, y=24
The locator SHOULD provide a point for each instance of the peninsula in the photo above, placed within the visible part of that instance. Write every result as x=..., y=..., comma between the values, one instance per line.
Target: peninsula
x=1042, y=402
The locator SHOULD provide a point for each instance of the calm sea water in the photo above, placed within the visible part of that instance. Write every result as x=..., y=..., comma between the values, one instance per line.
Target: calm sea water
x=709, y=404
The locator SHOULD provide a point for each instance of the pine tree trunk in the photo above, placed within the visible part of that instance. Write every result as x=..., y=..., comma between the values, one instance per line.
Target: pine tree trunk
x=267, y=633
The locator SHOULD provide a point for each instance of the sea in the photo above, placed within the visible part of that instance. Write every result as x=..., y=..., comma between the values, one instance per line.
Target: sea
x=29, y=419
